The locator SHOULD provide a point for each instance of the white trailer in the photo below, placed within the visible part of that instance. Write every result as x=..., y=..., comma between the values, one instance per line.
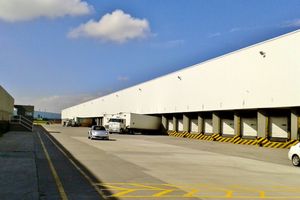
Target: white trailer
x=130, y=122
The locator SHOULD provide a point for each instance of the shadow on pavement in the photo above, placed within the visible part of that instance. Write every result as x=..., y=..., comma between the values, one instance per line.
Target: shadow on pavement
x=110, y=140
x=107, y=194
x=53, y=131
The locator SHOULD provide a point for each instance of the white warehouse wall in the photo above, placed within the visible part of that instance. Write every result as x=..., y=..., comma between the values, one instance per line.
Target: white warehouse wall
x=243, y=79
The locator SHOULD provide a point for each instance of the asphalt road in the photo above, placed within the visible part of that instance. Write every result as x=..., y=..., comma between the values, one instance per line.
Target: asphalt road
x=58, y=177
x=154, y=167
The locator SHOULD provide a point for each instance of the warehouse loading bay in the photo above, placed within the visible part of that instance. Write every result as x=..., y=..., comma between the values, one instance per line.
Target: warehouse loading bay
x=159, y=166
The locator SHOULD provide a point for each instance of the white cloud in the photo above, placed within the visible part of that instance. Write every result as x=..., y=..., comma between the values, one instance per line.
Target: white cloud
x=56, y=103
x=23, y=10
x=173, y=43
x=169, y=44
x=117, y=27
x=235, y=29
x=292, y=23
x=212, y=35
x=123, y=78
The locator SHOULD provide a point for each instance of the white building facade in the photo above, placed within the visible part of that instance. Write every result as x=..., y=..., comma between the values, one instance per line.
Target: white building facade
x=254, y=91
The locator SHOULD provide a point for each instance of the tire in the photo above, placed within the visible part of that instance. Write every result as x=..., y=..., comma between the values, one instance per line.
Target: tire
x=296, y=160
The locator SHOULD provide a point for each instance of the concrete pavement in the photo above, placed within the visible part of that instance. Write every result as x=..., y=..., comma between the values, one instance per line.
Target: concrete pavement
x=18, y=174
x=139, y=167
x=33, y=167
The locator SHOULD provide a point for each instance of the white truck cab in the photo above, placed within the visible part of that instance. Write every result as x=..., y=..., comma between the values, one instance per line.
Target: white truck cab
x=116, y=125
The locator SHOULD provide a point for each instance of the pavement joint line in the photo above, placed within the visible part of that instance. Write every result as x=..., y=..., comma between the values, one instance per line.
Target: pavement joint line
x=59, y=185
x=100, y=193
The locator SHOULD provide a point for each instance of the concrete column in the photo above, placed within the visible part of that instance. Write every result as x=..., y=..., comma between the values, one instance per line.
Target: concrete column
x=200, y=123
x=97, y=121
x=175, y=124
x=262, y=124
x=186, y=123
x=164, y=123
x=237, y=124
x=216, y=121
x=294, y=125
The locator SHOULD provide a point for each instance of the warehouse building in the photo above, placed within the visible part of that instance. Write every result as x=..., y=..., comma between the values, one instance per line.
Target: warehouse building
x=6, y=109
x=250, y=93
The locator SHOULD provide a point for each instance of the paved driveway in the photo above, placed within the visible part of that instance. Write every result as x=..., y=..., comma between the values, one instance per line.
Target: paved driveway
x=139, y=167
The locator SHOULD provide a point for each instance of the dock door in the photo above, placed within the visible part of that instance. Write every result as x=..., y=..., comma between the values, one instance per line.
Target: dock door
x=249, y=126
x=227, y=126
x=180, y=125
x=194, y=125
x=278, y=126
x=208, y=126
x=170, y=125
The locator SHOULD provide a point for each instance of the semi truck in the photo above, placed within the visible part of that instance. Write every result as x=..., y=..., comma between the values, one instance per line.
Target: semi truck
x=106, y=119
x=132, y=122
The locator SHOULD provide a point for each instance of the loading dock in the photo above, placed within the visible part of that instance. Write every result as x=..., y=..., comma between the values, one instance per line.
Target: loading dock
x=208, y=126
x=227, y=126
x=249, y=127
x=170, y=125
x=180, y=125
x=226, y=120
x=218, y=109
x=278, y=126
x=194, y=125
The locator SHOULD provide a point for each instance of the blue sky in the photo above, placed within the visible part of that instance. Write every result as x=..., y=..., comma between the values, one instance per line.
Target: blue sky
x=56, y=55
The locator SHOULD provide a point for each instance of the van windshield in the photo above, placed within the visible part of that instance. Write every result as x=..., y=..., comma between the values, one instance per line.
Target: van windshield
x=116, y=120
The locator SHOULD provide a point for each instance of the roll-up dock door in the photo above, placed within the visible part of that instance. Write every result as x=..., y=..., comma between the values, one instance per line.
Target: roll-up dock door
x=194, y=126
x=278, y=127
x=170, y=125
x=208, y=127
x=227, y=126
x=180, y=125
x=249, y=127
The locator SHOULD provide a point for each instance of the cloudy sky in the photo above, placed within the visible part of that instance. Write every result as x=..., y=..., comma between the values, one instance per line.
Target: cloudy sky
x=55, y=54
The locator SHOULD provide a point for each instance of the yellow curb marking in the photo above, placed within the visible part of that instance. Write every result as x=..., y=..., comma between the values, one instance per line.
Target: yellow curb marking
x=194, y=191
x=58, y=183
x=162, y=193
x=78, y=169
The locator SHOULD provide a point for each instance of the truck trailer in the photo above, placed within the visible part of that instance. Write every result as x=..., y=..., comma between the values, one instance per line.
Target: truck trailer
x=132, y=122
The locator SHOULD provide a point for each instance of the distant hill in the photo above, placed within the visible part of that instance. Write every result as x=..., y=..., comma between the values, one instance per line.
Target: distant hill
x=48, y=115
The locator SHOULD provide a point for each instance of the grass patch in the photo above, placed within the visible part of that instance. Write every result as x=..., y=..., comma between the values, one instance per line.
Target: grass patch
x=40, y=121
